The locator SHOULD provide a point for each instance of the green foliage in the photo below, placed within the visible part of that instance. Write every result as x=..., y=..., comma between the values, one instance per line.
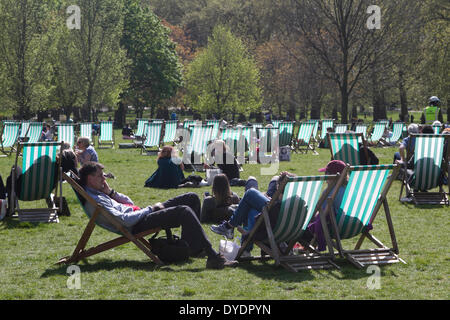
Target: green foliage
x=223, y=78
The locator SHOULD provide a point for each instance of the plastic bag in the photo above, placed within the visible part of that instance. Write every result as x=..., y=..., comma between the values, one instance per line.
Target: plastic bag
x=229, y=249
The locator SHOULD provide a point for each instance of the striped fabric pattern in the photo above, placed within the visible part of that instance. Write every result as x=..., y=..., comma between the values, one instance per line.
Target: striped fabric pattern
x=34, y=131
x=10, y=134
x=361, y=128
x=437, y=129
x=305, y=132
x=215, y=124
x=106, y=131
x=39, y=170
x=231, y=138
x=358, y=203
x=170, y=131
x=140, y=127
x=188, y=123
x=345, y=147
x=325, y=125
x=153, y=134
x=341, y=128
x=24, y=129
x=316, y=126
x=378, y=131
x=199, y=138
x=297, y=207
x=397, y=131
x=66, y=133
x=427, y=160
x=266, y=136
x=286, y=130
x=86, y=130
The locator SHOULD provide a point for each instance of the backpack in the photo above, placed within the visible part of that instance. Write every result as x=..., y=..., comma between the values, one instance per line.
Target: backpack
x=169, y=249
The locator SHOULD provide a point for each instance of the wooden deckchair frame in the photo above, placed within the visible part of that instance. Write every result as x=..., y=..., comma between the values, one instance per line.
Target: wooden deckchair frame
x=434, y=198
x=81, y=252
x=308, y=260
x=363, y=257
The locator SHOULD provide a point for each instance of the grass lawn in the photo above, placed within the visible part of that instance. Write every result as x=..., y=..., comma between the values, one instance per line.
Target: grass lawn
x=28, y=252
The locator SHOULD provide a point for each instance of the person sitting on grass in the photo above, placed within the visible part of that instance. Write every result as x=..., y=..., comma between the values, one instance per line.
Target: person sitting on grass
x=170, y=170
x=181, y=211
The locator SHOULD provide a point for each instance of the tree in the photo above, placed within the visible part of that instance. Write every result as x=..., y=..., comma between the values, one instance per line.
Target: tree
x=223, y=79
x=24, y=55
x=155, y=67
x=101, y=61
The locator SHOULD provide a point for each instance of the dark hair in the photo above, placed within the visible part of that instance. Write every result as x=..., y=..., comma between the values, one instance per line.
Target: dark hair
x=221, y=189
x=427, y=129
x=87, y=169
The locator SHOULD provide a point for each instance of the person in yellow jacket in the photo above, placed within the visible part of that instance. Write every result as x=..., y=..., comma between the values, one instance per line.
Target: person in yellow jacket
x=431, y=112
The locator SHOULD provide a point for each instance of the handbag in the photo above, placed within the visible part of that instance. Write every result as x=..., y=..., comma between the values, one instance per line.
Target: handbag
x=169, y=249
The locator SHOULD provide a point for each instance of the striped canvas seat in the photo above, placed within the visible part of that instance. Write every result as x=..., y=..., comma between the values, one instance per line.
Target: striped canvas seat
x=428, y=174
x=200, y=136
x=437, y=129
x=341, y=128
x=268, y=139
x=40, y=175
x=325, y=125
x=231, y=137
x=215, y=131
x=300, y=202
x=66, y=133
x=152, y=136
x=34, y=131
x=304, y=136
x=286, y=131
x=364, y=195
x=397, y=131
x=345, y=147
x=10, y=135
x=377, y=132
x=361, y=128
x=86, y=131
x=106, y=136
x=140, y=127
x=188, y=123
x=97, y=214
x=24, y=129
x=170, y=130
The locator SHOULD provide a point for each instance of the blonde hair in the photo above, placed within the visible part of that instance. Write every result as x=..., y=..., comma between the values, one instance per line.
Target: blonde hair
x=85, y=141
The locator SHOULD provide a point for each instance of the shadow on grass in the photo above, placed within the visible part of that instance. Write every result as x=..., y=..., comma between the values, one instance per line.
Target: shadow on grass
x=109, y=265
x=15, y=223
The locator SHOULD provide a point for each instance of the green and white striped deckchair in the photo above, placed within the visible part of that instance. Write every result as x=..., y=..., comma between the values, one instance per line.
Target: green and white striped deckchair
x=188, y=123
x=341, y=128
x=345, y=147
x=41, y=173
x=231, y=137
x=385, y=122
x=327, y=123
x=286, y=131
x=170, y=130
x=34, y=131
x=97, y=216
x=140, y=128
x=66, y=133
x=397, y=131
x=200, y=136
x=364, y=194
x=429, y=162
x=361, y=128
x=106, y=136
x=10, y=135
x=304, y=136
x=302, y=199
x=377, y=132
x=24, y=125
x=86, y=131
x=316, y=128
x=152, y=137
x=267, y=137
x=215, y=124
x=276, y=123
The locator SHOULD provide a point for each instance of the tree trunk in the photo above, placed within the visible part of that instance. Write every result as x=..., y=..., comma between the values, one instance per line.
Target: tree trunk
x=403, y=96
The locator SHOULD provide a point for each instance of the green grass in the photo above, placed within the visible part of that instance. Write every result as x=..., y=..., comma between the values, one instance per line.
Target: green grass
x=28, y=252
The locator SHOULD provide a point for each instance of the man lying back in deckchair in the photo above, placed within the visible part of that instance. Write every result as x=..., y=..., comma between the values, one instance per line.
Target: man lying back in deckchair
x=173, y=213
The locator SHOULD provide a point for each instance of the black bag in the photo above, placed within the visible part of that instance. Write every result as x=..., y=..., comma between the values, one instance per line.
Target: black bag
x=170, y=248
